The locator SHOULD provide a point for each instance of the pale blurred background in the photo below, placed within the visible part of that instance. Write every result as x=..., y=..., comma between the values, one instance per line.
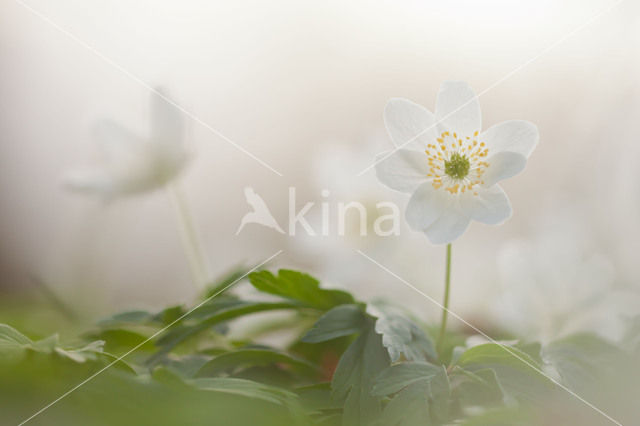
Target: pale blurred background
x=302, y=85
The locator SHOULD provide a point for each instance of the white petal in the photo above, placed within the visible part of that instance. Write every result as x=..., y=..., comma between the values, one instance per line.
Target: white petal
x=97, y=181
x=503, y=165
x=116, y=142
x=515, y=136
x=403, y=170
x=448, y=227
x=167, y=121
x=425, y=206
x=490, y=206
x=458, y=109
x=409, y=125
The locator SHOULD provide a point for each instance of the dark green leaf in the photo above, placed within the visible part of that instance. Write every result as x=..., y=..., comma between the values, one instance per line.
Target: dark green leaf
x=317, y=397
x=181, y=332
x=343, y=320
x=409, y=408
x=423, y=397
x=129, y=317
x=353, y=379
x=246, y=388
x=399, y=376
x=244, y=358
x=226, y=282
x=299, y=287
x=119, y=340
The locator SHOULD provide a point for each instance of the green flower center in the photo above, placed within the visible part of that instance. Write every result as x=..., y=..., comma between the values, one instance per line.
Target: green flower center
x=457, y=167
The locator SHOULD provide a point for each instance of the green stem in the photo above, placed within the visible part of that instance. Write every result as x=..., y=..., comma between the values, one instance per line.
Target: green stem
x=193, y=250
x=445, y=303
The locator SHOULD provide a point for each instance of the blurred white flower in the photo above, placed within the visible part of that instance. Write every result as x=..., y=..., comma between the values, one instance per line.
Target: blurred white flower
x=134, y=164
x=333, y=256
x=560, y=281
x=452, y=168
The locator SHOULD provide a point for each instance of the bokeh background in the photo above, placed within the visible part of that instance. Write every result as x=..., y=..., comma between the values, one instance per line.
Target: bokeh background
x=302, y=85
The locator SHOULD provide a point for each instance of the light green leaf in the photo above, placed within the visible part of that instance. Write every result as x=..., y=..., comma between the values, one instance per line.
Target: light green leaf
x=518, y=373
x=582, y=360
x=12, y=343
x=479, y=388
x=299, y=287
x=401, y=336
x=343, y=320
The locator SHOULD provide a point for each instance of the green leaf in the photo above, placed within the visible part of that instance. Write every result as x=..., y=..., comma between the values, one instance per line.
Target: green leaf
x=119, y=340
x=343, y=320
x=401, y=336
x=246, y=388
x=90, y=351
x=399, y=376
x=225, y=284
x=187, y=366
x=423, y=396
x=12, y=343
x=518, y=373
x=582, y=360
x=409, y=408
x=317, y=397
x=228, y=311
x=241, y=359
x=128, y=317
x=299, y=287
x=353, y=379
x=479, y=388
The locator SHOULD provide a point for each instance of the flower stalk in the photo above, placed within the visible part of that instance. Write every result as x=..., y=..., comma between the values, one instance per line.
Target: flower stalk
x=191, y=244
x=445, y=302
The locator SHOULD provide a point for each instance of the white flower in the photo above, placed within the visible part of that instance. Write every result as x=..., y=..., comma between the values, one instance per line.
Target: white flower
x=560, y=280
x=452, y=168
x=134, y=164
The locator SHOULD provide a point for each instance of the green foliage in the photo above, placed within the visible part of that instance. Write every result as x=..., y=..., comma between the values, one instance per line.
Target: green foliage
x=582, y=360
x=401, y=336
x=14, y=346
x=354, y=377
x=340, y=321
x=345, y=363
x=299, y=287
x=241, y=359
x=519, y=375
x=422, y=390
